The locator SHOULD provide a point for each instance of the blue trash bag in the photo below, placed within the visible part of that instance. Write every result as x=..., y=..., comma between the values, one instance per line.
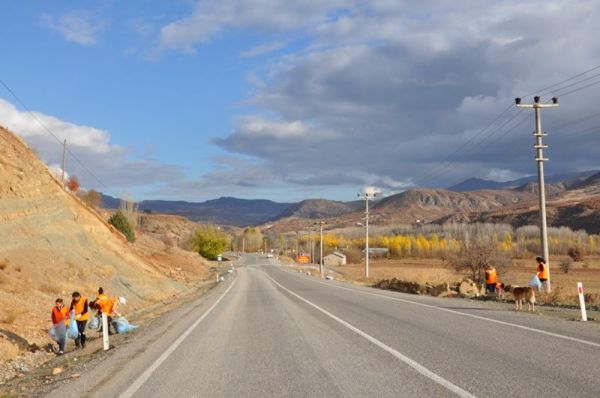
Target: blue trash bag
x=52, y=333
x=94, y=323
x=535, y=282
x=72, y=332
x=58, y=332
x=122, y=325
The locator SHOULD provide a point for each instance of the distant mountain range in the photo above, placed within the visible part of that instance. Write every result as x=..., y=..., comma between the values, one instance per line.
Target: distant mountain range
x=474, y=184
x=224, y=210
x=472, y=200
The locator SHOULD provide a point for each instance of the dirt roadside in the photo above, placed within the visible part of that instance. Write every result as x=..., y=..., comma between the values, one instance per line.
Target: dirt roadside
x=41, y=380
x=564, y=311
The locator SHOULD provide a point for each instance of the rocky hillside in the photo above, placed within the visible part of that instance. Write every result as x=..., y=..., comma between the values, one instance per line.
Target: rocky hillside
x=319, y=208
x=51, y=244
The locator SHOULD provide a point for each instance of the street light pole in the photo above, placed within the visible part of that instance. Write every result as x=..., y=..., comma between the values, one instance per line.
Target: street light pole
x=310, y=245
x=366, y=198
x=320, y=223
x=539, y=147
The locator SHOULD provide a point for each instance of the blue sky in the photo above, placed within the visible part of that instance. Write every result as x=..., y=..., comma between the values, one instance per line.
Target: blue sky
x=289, y=100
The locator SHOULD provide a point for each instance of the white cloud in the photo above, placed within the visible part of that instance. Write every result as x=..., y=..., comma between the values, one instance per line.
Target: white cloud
x=109, y=163
x=79, y=27
x=263, y=49
x=209, y=18
x=400, y=86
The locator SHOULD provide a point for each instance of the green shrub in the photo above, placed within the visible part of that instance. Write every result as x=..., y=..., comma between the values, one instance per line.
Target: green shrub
x=209, y=241
x=119, y=221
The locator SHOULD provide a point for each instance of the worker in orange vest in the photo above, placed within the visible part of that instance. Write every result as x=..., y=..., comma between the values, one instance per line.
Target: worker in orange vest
x=79, y=304
x=491, y=279
x=60, y=319
x=542, y=271
x=106, y=305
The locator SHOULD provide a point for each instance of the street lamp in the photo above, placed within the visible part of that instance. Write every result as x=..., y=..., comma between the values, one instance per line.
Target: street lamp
x=366, y=197
x=320, y=224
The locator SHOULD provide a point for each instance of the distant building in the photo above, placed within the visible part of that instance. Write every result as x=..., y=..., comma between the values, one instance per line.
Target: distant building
x=378, y=251
x=334, y=259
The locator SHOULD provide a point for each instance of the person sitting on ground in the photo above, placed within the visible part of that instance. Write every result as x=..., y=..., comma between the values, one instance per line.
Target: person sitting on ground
x=60, y=319
x=491, y=279
x=79, y=304
x=542, y=272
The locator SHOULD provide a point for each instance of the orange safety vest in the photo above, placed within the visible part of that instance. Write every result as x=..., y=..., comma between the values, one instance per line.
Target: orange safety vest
x=542, y=271
x=491, y=276
x=101, y=301
x=79, y=307
x=60, y=315
x=106, y=304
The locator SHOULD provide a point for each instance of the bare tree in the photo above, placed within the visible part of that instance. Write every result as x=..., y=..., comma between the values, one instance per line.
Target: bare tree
x=477, y=253
x=130, y=210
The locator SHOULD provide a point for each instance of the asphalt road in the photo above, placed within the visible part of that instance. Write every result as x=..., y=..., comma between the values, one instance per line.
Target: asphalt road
x=271, y=332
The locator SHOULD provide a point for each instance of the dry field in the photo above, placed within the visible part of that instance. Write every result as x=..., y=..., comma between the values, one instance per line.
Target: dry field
x=437, y=271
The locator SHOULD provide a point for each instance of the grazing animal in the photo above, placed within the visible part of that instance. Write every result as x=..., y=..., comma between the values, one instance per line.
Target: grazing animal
x=522, y=294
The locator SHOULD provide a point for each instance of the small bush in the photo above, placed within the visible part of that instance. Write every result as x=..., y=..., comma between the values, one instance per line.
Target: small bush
x=119, y=221
x=565, y=265
x=575, y=253
x=4, y=264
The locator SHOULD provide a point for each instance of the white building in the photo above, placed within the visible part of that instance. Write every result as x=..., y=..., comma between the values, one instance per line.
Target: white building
x=334, y=259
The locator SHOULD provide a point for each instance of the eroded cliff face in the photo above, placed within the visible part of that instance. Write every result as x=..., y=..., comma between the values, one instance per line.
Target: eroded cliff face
x=52, y=244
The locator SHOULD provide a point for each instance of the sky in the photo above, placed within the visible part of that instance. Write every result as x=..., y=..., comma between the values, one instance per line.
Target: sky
x=194, y=99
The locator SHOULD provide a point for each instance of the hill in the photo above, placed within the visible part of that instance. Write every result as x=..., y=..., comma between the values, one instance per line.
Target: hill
x=474, y=184
x=53, y=244
x=319, y=208
x=224, y=210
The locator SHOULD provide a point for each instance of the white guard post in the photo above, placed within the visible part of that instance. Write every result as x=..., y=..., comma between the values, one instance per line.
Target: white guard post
x=581, y=301
x=105, y=331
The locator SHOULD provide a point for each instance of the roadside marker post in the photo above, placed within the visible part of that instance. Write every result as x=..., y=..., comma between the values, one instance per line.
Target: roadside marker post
x=105, y=331
x=581, y=301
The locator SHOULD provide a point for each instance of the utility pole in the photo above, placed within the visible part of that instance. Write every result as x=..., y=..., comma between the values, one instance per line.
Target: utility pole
x=366, y=196
x=243, y=245
x=320, y=223
x=539, y=147
x=64, y=161
x=310, y=245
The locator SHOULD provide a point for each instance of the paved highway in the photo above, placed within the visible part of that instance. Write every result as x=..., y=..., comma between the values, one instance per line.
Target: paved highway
x=271, y=332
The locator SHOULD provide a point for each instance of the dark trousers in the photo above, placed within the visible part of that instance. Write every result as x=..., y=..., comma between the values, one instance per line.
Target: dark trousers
x=491, y=288
x=81, y=328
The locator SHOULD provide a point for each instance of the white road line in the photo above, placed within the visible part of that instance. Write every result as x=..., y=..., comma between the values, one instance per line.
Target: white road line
x=482, y=318
x=415, y=365
x=137, y=384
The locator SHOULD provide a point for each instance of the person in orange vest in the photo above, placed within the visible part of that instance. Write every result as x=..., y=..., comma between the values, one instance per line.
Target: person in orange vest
x=60, y=319
x=491, y=279
x=79, y=304
x=542, y=271
x=106, y=305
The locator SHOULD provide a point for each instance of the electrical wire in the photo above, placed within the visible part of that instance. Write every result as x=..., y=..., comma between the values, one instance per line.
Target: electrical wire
x=49, y=131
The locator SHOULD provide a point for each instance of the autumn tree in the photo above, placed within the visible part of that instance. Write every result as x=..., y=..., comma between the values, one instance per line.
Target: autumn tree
x=209, y=241
x=73, y=184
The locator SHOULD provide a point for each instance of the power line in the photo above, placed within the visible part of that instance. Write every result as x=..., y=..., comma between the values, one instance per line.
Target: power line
x=448, y=161
x=558, y=88
x=562, y=81
x=545, y=93
x=49, y=131
x=498, y=137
